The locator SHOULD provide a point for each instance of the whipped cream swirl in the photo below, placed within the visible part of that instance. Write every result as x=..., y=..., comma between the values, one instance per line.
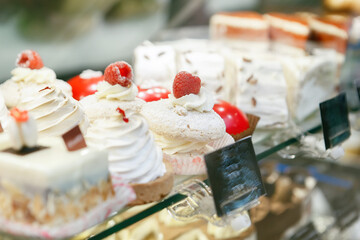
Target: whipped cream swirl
x=116, y=92
x=55, y=112
x=175, y=145
x=131, y=147
x=27, y=75
x=202, y=102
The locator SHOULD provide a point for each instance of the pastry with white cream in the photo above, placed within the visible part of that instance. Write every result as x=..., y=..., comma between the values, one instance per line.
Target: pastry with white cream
x=117, y=90
x=185, y=124
x=44, y=183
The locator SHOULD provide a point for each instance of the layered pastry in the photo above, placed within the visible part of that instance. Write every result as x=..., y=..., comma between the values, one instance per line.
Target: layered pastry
x=288, y=33
x=314, y=76
x=85, y=83
x=30, y=76
x=330, y=33
x=42, y=182
x=245, y=30
x=185, y=124
x=154, y=65
x=117, y=90
x=259, y=88
x=35, y=89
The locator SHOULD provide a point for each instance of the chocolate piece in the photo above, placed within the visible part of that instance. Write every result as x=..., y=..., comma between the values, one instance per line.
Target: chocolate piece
x=146, y=57
x=247, y=60
x=74, y=139
x=25, y=150
x=1, y=128
x=160, y=54
x=252, y=80
x=253, y=101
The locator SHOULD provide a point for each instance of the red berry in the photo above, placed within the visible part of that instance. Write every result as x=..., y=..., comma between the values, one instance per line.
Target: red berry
x=185, y=83
x=119, y=73
x=18, y=115
x=29, y=59
x=122, y=113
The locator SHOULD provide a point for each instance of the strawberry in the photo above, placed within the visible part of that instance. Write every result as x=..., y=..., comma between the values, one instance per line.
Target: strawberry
x=122, y=113
x=18, y=115
x=185, y=83
x=119, y=73
x=29, y=59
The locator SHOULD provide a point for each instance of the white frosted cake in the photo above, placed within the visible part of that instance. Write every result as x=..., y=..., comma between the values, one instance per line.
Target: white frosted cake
x=44, y=183
x=260, y=88
x=154, y=65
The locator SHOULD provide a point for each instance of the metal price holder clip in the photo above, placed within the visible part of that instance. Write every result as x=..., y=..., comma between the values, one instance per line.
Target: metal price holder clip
x=235, y=186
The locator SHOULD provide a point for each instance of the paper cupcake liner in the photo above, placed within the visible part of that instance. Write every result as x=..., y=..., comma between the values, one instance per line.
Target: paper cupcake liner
x=123, y=195
x=194, y=164
x=253, y=120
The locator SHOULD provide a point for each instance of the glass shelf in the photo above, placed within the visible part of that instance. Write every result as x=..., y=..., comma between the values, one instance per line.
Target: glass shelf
x=117, y=222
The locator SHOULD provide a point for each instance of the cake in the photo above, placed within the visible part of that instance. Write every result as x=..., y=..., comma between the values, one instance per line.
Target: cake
x=288, y=33
x=310, y=80
x=259, y=88
x=154, y=65
x=29, y=76
x=244, y=30
x=37, y=91
x=117, y=90
x=42, y=182
x=185, y=124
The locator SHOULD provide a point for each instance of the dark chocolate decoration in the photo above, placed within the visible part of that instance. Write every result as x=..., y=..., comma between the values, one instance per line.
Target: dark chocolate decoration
x=74, y=140
x=1, y=128
x=335, y=120
x=25, y=150
x=234, y=176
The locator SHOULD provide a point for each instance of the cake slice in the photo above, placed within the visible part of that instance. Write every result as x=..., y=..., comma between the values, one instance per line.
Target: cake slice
x=259, y=88
x=288, y=33
x=42, y=182
x=245, y=30
x=154, y=65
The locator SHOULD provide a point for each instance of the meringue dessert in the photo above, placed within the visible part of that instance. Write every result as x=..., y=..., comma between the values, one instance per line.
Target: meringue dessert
x=124, y=133
x=185, y=124
x=36, y=90
x=44, y=183
x=117, y=90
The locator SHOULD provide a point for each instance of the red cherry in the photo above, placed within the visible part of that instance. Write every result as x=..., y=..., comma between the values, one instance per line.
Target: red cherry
x=82, y=87
x=235, y=120
x=119, y=73
x=29, y=59
x=153, y=93
x=185, y=83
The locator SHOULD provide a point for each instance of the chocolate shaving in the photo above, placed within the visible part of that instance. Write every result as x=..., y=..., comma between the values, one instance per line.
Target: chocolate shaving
x=251, y=80
x=253, y=101
x=25, y=150
x=222, y=74
x=1, y=128
x=160, y=54
x=146, y=57
x=188, y=61
x=247, y=60
x=74, y=140
x=219, y=89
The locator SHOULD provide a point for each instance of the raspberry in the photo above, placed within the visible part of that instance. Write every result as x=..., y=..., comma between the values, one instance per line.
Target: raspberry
x=119, y=73
x=185, y=83
x=18, y=115
x=29, y=59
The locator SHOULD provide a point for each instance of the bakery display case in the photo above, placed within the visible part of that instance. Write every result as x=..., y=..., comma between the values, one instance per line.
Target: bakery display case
x=275, y=156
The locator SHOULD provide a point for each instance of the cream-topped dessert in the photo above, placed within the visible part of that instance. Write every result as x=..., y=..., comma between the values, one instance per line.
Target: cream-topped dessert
x=44, y=183
x=117, y=90
x=30, y=75
x=132, y=150
x=185, y=124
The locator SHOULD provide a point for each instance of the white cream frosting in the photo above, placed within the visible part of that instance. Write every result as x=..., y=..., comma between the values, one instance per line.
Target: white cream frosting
x=27, y=75
x=131, y=147
x=116, y=92
x=88, y=73
x=172, y=146
x=55, y=112
x=288, y=26
x=202, y=102
x=240, y=22
x=22, y=134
